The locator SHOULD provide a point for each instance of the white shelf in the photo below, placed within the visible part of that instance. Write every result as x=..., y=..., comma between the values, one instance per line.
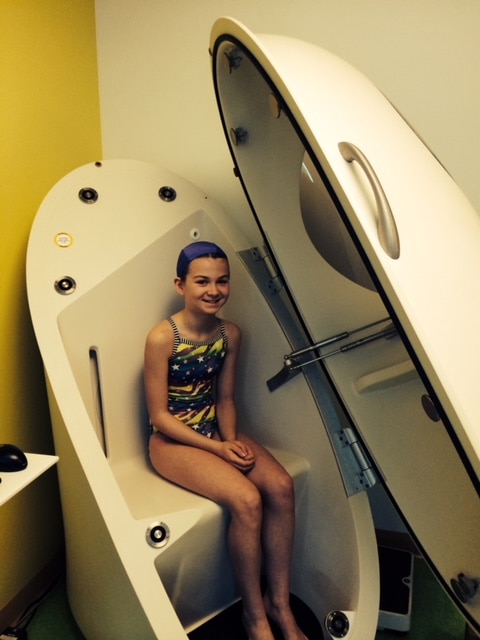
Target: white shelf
x=15, y=481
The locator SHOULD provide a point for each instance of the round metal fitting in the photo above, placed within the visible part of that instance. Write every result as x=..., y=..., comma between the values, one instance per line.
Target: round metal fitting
x=337, y=624
x=65, y=285
x=238, y=136
x=158, y=534
x=167, y=194
x=464, y=588
x=232, y=60
x=88, y=195
x=430, y=408
x=63, y=240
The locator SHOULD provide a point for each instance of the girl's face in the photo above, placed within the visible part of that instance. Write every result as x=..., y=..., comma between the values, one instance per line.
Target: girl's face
x=206, y=286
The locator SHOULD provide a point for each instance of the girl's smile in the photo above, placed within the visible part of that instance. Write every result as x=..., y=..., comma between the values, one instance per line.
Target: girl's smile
x=206, y=287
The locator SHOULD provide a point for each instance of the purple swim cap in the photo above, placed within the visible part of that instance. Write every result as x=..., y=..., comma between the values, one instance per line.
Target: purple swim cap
x=197, y=250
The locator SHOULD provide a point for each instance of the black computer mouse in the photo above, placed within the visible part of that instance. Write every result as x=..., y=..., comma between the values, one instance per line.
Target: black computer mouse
x=12, y=458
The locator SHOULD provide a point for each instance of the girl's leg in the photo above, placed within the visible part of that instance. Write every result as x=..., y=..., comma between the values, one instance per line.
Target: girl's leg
x=276, y=487
x=212, y=477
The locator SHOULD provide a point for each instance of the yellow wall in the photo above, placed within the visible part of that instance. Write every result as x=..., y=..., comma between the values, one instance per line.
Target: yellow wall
x=49, y=124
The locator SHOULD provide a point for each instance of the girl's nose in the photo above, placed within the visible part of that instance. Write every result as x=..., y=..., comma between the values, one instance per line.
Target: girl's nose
x=212, y=290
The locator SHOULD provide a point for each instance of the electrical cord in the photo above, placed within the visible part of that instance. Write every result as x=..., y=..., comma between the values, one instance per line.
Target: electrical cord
x=19, y=631
x=14, y=634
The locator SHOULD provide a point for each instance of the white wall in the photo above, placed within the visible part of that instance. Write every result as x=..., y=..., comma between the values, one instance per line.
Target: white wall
x=157, y=95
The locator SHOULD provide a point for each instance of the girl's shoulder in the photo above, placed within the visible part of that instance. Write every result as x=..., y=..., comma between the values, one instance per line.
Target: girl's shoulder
x=233, y=331
x=161, y=335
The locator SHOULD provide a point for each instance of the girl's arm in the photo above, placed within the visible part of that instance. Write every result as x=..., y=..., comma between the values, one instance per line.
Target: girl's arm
x=225, y=389
x=225, y=395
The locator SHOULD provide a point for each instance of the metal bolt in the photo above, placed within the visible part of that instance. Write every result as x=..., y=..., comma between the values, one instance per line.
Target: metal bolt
x=232, y=60
x=238, y=136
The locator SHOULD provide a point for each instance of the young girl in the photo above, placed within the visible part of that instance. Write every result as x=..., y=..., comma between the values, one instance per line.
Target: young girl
x=190, y=362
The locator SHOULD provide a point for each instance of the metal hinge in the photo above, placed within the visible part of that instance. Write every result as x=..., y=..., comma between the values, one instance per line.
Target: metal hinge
x=362, y=475
x=274, y=282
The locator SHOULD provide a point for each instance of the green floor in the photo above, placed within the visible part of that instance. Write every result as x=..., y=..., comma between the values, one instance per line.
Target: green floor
x=433, y=617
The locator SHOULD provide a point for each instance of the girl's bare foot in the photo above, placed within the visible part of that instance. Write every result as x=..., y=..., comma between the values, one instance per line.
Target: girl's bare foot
x=283, y=617
x=257, y=628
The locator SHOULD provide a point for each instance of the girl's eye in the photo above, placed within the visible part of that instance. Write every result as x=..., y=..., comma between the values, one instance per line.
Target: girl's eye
x=204, y=282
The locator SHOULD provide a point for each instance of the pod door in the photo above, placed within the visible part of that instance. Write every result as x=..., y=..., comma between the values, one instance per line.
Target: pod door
x=376, y=247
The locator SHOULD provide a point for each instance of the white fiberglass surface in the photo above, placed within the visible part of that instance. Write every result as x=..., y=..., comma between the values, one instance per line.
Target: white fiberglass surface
x=119, y=250
x=284, y=97
x=103, y=332
x=283, y=119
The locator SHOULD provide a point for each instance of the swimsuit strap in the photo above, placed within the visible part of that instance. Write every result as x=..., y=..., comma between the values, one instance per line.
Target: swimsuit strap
x=176, y=333
x=223, y=332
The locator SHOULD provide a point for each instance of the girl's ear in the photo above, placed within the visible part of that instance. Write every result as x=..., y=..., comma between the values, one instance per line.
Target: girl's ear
x=178, y=282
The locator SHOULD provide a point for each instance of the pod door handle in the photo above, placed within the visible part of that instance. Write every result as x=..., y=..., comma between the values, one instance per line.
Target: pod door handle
x=386, y=227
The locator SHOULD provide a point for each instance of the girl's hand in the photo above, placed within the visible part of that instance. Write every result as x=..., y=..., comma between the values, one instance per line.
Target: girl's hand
x=237, y=454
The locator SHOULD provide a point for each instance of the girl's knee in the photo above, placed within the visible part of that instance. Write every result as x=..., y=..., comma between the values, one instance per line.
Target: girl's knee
x=247, y=505
x=282, y=490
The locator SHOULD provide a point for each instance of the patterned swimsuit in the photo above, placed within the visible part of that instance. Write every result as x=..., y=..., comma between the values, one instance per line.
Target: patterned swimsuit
x=193, y=368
